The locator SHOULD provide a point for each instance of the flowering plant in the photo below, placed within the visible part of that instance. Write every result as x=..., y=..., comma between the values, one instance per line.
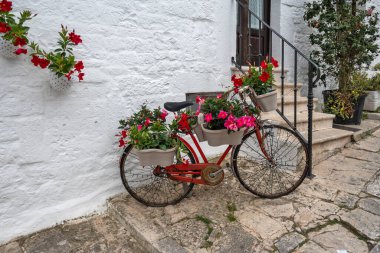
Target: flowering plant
x=14, y=31
x=62, y=60
x=146, y=129
x=260, y=79
x=221, y=113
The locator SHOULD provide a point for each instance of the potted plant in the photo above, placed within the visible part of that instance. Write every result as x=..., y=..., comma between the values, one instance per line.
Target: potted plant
x=13, y=32
x=61, y=62
x=372, y=101
x=343, y=37
x=260, y=82
x=152, y=138
x=225, y=121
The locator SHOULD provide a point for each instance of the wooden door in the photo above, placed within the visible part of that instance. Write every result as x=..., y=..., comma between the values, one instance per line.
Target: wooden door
x=251, y=31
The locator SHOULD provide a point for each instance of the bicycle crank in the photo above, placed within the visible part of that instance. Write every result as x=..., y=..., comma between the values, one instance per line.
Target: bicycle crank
x=212, y=175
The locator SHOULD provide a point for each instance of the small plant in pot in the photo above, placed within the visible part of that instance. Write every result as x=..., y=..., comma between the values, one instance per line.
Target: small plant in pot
x=13, y=32
x=259, y=82
x=151, y=137
x=225, y=121
x=372, y=101
x=344, y=35
x=61, y=62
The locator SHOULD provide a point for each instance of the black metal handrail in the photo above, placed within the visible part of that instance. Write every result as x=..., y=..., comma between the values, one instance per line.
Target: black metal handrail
x=313, y=76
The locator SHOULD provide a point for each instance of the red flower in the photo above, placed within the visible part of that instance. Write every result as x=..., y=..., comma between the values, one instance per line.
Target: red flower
x=124, y=133
x=75, y=38
x=21, y=51
x=264, y=65
x=5, y=6
x=163, y=114
x=236, y=90
x=20, y=42
x=68, y=75
x=274, y=62
x=80, y=76
x=35, y=60
x=121, y=143
x=4, y=28
x=44, y=63
x=238, y=82
x=79, y=66
x=264, y=77
x=183, y=124
x=233, y=77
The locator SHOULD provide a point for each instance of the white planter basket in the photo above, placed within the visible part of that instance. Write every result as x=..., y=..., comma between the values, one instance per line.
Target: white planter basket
x=222, y=137
x=198, y=128
x=153, y=157
x=7, y=49
x=59, y=83
x=372, y=101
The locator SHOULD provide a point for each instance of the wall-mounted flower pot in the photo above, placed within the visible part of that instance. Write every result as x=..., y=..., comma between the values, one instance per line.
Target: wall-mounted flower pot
x=59, y=83
x=222, y=137
x=358, y=113
x=268, y=101
x=153, y=157
x=7, y=49
x=372, y=101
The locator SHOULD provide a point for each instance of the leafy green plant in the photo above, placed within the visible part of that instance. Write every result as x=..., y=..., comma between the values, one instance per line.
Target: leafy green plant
x=344, y=38
x=61, y=61
x=12, y=28
x=341, y=103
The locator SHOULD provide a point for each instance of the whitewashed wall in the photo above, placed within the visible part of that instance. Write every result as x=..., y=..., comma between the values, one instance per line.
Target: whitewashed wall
x=58, y=154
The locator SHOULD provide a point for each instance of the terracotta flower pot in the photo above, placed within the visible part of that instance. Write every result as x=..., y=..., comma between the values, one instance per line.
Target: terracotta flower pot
x=222, y=137
x=268, y=101
x=7, y=49
x=59, y=83
x=148, y=157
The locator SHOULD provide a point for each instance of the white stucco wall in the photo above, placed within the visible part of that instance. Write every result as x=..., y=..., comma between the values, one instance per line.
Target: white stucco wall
x=58, y=152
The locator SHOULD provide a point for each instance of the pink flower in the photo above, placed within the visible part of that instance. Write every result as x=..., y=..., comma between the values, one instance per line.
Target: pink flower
x=222, y=115
x=219, y=96
x=198, y=111
x=230, y=123
x=199, y=100
x=240, y=122
x=249, y=121
x=208, y=117
x=147, y=122
x=139, y=127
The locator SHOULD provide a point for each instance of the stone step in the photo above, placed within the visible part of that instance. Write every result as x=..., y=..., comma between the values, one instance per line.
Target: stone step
x=327, y=142
x=289, y=104
x=320, y=120
x=288, y=89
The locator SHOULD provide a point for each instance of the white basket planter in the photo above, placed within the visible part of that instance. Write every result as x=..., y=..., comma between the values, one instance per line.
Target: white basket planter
x=153, y=157
x=222, y=137
x=59, y=83
x=268, y=101
x=372, y=101
x=198, y=128
x=7, y=49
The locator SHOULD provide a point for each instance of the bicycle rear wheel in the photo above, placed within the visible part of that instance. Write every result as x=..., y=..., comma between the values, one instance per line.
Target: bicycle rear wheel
x=278, y=174
x=148, y=188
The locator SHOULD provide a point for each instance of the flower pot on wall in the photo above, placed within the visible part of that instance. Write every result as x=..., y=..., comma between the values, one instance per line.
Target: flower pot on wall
x=59, y=83
x=268, y=101
x=7, y=49
x=222, y=137
x=372, y=101
x=358, y=112
x=153, y=157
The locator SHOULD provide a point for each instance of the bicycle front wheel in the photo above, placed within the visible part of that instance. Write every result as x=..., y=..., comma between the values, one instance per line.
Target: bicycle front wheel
x=151, y=189
x=275, y=169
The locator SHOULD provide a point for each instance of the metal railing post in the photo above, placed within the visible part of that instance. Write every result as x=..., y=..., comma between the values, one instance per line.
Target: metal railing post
x=310, y=107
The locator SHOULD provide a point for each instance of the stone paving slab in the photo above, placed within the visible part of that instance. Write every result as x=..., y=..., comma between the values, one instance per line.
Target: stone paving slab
x=337, y=210
x=96, y=234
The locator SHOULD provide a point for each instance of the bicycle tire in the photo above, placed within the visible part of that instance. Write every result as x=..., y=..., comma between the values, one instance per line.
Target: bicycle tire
x=151, y=190
x=263, y=178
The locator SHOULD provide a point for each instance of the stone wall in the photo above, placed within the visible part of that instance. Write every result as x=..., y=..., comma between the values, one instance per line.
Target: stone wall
x=58, y=152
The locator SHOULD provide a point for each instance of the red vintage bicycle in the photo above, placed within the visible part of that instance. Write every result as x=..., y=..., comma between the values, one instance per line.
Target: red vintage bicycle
x=270, y=162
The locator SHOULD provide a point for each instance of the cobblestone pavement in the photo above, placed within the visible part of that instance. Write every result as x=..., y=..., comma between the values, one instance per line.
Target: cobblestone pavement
x=339, y=209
